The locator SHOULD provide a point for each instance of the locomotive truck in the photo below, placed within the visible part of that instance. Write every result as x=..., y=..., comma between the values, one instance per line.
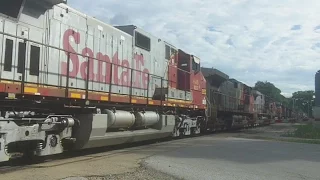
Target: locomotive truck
x=69, y=81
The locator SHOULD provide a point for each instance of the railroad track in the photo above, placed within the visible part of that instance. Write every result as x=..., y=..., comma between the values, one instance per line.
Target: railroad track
x=22, y=163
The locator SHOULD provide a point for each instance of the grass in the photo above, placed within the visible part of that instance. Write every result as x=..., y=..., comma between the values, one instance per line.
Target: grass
x=301, y=134
x=308, y=141
x=288, y=139
x=306, y=132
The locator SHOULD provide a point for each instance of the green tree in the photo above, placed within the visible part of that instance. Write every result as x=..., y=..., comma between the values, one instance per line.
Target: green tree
x=271, y=92
x=303, y=101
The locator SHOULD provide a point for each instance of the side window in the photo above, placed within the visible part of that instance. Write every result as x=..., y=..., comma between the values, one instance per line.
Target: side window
x=21, y=56
x=34, y=60
x=235, y=85
x=195, y=65
x=167, y=52
x=8, y=55
x=173, y=52
x=213, y=97
x=142, y=41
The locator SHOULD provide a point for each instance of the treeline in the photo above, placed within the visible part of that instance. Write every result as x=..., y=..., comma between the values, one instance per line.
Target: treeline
x=301, y=101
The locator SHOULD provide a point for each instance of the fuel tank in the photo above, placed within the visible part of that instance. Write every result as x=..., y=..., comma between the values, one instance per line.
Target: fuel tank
x=147, y=118
x=119, y=119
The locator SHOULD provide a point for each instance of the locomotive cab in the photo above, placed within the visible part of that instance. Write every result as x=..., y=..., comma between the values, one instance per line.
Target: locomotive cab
x=11, y=9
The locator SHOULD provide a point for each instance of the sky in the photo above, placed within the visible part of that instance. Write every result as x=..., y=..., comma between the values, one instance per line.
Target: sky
x=250, y=40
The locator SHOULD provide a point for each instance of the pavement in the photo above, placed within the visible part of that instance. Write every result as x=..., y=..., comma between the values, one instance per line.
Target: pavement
x=219, y=156
x=240, y=159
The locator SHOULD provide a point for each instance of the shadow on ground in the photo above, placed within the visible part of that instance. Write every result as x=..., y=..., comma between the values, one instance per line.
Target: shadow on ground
x=246, y=150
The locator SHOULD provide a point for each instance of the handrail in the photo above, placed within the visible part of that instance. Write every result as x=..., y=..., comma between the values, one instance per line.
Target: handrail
x=75, y=53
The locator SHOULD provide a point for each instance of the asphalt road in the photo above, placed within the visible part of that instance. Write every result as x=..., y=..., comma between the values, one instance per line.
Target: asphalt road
x=232, y=158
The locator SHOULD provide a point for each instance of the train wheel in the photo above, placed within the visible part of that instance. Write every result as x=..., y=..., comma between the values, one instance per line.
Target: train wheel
x=29, y=157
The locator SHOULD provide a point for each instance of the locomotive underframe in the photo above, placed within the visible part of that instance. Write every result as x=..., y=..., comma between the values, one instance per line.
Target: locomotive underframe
x=52, y=127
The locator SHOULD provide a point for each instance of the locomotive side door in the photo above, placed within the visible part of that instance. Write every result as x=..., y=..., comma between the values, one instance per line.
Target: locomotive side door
x=8, y=55
x=33, y=63
x=28, y=54
x=21, y=52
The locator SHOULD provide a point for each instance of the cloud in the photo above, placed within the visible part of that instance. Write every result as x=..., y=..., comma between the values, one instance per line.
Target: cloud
x=120, y=19
x=272, y=40
x=296, y=27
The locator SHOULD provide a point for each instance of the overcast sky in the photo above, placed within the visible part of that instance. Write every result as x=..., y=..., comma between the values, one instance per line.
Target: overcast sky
x=267, y=40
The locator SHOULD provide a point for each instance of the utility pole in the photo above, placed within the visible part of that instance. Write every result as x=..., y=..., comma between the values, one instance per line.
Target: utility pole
x=293, y=111
x=308, y=109
x=293, y=103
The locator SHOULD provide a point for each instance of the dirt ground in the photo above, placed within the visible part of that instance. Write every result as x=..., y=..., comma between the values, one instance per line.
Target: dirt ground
x=272, y=131
x=276, y=132
x=141, y=173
